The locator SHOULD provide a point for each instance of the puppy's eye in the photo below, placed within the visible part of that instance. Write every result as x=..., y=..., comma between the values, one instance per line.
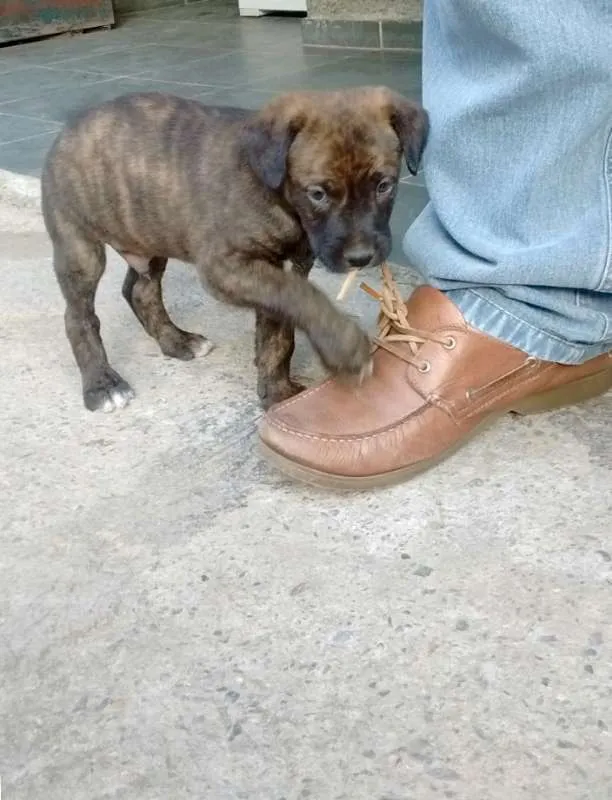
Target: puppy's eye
x=317, y=195
x=385, y=186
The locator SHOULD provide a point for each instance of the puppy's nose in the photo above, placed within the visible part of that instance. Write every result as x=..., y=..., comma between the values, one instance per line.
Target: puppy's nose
x=359, y=257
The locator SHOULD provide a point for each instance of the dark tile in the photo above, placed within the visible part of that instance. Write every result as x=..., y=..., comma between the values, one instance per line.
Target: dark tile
x=173, y=33
x=412, y=180
x=143, y=6
x=411, y=200
x=59, y=105
x=239, y=98
x=402, y=35
x=12, y=67
x=264, y=35
x=242, y=67
x=341, y=33
x=132, y=60
x=269, y=36
x=58, y=48
x=204, y=36
x=14, y=128
x=201, y=50
x=133, y=29
x=400, y=71
x=142, y=84
x=27, y=156
x=190, y=11
x=37, y=81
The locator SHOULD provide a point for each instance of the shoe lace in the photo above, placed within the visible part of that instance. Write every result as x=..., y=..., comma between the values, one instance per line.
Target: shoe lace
x=394, y=327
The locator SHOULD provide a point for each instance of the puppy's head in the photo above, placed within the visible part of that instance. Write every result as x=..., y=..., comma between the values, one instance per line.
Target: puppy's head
x=336, y=157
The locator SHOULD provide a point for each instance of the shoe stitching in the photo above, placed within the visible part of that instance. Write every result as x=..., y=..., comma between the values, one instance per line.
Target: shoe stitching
x=432, y=401
x=347, y=439
x=394, y=426
x=302, y=395
x=485, y=404
x=525, y=382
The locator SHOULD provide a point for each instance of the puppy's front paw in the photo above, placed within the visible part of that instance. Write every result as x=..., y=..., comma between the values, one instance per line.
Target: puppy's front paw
x=106, y=391
x=366, y=371
x=346, y=349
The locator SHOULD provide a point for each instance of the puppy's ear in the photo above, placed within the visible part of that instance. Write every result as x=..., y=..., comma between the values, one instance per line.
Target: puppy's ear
x=267, y=137
x=411, y=124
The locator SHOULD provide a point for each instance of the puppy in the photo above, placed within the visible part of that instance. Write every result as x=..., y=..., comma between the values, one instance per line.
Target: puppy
x=238, y=194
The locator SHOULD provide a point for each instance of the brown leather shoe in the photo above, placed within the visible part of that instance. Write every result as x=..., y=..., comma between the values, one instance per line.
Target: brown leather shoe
x=436, y=383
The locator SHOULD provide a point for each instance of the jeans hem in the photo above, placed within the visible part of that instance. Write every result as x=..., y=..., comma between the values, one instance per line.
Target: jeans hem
x=486, y=316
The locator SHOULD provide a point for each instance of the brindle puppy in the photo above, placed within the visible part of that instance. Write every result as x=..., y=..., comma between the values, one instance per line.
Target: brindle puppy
x=237, y=193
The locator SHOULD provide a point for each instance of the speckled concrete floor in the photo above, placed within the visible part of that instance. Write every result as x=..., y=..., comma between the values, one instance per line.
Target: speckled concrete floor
x=180, y=622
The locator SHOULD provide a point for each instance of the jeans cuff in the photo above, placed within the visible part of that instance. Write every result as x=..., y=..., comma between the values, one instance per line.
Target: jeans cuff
x=487, y=316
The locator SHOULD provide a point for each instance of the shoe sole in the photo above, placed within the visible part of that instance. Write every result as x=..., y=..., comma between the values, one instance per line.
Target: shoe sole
x=571, y=394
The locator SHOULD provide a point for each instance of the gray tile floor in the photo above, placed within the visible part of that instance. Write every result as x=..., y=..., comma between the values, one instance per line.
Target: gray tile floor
x=202, y=50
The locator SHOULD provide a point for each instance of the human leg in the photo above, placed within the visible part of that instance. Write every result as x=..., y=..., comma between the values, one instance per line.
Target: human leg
x=518, y=232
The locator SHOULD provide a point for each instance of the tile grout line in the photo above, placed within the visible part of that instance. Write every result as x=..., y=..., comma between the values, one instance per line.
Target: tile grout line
x=215, y=57
x=27, y=116
x=57, y=66
x=253, y=83
x=404, y=182
x=52, y=68
x=28, y=138
x=5, y=103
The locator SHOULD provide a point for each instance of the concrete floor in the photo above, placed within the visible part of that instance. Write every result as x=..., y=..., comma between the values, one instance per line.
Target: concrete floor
x=180, y=622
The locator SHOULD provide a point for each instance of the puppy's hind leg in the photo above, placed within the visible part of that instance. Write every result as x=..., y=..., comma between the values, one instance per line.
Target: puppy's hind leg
x=143, y=292
x=79, y=264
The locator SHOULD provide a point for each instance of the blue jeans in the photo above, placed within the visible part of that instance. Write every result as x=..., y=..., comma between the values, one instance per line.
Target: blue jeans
x=518, y=230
